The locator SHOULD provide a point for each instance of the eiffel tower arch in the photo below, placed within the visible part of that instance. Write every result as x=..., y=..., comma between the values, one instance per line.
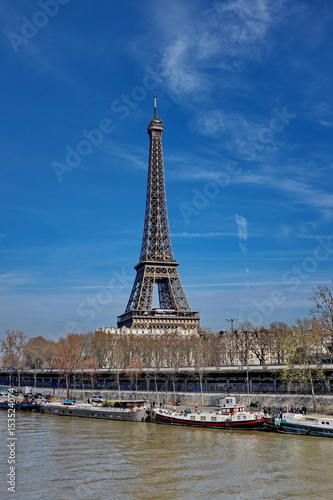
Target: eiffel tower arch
x=157, y=265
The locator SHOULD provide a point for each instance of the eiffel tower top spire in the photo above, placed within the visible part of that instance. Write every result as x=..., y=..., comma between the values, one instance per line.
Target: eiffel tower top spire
x=156, y=243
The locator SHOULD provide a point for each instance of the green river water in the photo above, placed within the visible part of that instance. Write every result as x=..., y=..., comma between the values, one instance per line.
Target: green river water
x=77, y=458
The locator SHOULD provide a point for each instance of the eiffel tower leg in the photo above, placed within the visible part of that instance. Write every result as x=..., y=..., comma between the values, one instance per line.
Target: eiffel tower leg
x=141, y=298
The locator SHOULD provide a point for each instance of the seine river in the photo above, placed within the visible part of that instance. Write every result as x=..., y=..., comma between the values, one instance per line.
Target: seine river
x=61, y=458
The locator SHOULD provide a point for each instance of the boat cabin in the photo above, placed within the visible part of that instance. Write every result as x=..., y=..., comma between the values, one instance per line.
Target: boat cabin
x=130, y=404
x=229, y=405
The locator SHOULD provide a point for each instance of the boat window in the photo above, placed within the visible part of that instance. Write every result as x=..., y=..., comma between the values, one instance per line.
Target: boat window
x=213, y=419
x=202, y=418
x=192, y=417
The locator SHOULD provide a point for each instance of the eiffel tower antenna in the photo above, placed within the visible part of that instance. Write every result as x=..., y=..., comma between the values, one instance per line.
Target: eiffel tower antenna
x=157, y=265
x=155, y=106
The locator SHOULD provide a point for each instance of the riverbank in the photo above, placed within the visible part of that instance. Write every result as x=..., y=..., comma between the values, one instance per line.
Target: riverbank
x=324, y=402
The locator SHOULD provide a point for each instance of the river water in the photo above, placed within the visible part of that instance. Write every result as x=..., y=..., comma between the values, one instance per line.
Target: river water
x=76, y=458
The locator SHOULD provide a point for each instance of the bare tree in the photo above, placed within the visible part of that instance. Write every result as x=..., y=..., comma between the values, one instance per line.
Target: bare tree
x=134, y=370
x=280, y=332
x=100, y=346
x=261, y=344
x=243, y=340
x=12, y=347
x=323, y=312
x=302, y=370
x=323, y=305
x=68, y=351
x=38, y=352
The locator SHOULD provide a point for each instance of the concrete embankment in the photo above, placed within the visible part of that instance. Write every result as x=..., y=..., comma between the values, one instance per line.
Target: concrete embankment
x=323, y=401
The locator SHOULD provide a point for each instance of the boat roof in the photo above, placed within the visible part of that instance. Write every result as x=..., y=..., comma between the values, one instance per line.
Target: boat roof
x=134, y=401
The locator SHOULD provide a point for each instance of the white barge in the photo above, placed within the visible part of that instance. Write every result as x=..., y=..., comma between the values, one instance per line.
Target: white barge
x=229, y=416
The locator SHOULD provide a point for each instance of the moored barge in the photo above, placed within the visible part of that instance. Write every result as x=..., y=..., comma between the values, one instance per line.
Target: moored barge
x=229, y=416
x=298, y=423
x=131, y=411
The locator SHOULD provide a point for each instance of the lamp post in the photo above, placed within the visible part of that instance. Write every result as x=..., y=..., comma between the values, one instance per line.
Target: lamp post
x=232, y=320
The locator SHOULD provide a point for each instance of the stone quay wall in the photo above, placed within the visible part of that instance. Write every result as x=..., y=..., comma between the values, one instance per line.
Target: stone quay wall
x=324, y=402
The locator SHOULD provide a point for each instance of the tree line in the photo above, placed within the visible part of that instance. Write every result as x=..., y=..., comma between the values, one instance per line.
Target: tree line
x=305, y=343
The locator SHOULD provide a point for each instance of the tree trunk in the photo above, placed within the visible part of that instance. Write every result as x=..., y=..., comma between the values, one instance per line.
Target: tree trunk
x=118, y=384
x=82, y=383
x=19, y=381
x=174, y=388
x=312, y=392
x=201, y=388
x=156, y=389
x=67, y=385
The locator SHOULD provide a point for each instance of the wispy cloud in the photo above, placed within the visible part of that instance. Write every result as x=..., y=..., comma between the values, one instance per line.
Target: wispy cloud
x=125, y=157
x=13, y=278
x=314, y=236
x=211, y=124
x=226, y=34
x=203, y=235
x=253, y=283
x=303, y=193
x=242, y=232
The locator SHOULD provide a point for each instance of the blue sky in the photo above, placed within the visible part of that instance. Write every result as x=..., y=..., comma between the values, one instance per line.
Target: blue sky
x=245, y=93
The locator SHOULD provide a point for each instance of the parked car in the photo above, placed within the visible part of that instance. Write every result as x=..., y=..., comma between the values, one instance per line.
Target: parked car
x=97, y=399
x=48, y=397
x=38, y=395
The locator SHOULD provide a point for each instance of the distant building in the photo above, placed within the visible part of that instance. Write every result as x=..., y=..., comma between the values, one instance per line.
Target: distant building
x=149, y=331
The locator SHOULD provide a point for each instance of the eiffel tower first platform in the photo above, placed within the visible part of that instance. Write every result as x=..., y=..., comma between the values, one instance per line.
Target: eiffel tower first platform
x=157, y=265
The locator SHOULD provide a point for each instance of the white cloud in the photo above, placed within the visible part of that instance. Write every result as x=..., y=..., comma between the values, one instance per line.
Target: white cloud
x=13, y=278
x=303, y=193
x=210, y=124
x=220, y=38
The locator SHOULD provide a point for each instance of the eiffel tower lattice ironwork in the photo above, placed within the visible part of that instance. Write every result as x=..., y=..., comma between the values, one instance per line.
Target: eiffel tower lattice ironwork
x=157, y=265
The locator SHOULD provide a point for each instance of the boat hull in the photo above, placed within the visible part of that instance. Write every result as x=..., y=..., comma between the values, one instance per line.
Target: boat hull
x=140, y=415
x=173, y=420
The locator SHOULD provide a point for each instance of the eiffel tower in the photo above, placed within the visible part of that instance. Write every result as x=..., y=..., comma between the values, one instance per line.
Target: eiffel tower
x=157, y=265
